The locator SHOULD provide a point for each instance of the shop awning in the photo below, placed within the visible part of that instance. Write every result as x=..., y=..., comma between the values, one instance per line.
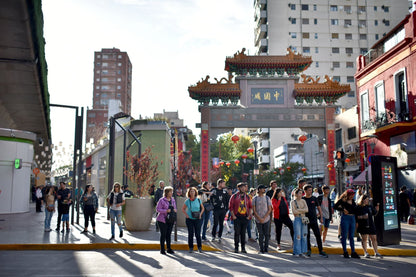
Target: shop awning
x=360, y=179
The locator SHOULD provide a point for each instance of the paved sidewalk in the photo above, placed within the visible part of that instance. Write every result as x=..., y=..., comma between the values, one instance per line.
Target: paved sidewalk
x=25, y=231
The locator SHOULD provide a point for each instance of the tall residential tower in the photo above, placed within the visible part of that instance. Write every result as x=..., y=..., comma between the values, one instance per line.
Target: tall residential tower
x=333, y=32
x=111, y=92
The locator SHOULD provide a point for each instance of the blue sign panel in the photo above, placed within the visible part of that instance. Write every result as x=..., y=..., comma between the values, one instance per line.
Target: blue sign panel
x=267, y=96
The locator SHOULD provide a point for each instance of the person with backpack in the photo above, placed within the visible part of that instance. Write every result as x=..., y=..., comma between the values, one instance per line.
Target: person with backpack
x=166, y=206
x=262, y=208
x=241, y=210
x=193, y=210
x=325, y=203
x=158, y=195
x=115, y=200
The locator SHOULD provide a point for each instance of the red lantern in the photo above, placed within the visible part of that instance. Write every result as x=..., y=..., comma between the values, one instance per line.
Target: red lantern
x=228, y=164
x=244, y=156
x=304, y=169
x=302, y=138
x=347, y=160
x=329, y=166
x=288, y=168
x=237, y=162
x=235, y=138
x=274, y=172
x=250, y=150
x=221, y=163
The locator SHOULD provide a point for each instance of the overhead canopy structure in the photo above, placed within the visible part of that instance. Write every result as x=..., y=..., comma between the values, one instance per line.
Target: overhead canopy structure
x=24, y=97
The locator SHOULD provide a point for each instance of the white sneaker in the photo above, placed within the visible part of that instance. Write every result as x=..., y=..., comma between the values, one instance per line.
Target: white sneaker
x=366, y=255
x=378, y=255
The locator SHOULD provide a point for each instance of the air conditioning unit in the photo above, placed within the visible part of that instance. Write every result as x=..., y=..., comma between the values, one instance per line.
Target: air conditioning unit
x=349, y=149
x=347, y=25
x=361, y=25
x=349, y=11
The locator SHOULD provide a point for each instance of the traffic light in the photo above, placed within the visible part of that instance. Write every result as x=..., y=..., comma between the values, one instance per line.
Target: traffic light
x=18, y=163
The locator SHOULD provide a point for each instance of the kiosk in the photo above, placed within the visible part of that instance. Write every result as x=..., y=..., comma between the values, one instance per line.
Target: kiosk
x=385, y=192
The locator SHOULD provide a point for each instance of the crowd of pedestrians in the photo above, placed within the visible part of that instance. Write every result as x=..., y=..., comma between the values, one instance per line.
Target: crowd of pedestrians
x=218, y=206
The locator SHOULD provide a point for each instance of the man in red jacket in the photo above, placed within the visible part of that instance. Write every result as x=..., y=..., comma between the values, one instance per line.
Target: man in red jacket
x=241, y=211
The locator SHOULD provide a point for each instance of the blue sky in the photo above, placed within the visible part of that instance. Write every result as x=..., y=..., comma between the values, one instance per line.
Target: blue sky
x=171, y=43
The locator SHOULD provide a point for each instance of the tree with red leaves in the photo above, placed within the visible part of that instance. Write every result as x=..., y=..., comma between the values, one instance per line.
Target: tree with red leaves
x=143, y=171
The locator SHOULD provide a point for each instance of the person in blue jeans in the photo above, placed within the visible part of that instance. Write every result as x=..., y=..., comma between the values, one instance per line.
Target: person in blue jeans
x=115, y=201
x=204, y=195
x=346, y=205
x=193, y=210
x=299, y=209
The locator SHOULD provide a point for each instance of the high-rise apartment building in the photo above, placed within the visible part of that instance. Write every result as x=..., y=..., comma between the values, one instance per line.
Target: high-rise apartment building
x=111, y=92
x=333, y=32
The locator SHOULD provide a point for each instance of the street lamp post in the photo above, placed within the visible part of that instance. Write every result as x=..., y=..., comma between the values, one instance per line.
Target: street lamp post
x=256, y=166
x=79, y=119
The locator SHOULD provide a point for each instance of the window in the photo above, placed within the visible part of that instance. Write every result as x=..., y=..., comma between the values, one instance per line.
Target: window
x=335, y=35
x=361, y=9
x=376, y=36
x=350, y=65
x=386, y=9
x=386, y=22
x=98, y=56
x=90, y=125
x=294, y=48
x=305, y=7
x=316, y=64
x=118, y=87
x=104, y=79
x=348, y=50
x=338, y=138
x=104, y=95
x=380, y=106
x=105, y=57
x=335, y=64
x=336, y=78
x=314, y=7
x=292, y=34
x=118, y=71
x=98, y=64
x=334, y=21
x=363, y=36
x=119, y=64
x=348, y=36
x=98, y=79
x=98, y=71
x=118, y=95
x=105, y=88
x=402, y=109
x=365, y=110
x=347, y=22
x=375, y=22
x=293, y=20
x=350, y=79
x=305, y=20
x=118, y=79
x=351, y=94
x=316, y=50
x=335, y=50
x=347, y=9
x=306, y=49
x=334, y=8
x=92, y=115
x=363, y=51
x=119, y=56
x=293, y=7
x=362, y=23
x=305, y=35
x=375, y=8
x=352, y=132
x=316, y=35
x=97, y=87
x=105, y=64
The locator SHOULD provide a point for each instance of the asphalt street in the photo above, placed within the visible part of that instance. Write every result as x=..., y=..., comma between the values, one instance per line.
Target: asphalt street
x=182, y=263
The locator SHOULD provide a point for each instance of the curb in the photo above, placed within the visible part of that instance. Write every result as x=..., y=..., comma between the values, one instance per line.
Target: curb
x=95, y=246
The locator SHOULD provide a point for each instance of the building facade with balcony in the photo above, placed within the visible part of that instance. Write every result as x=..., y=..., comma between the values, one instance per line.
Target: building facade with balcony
x=386, y=86
x=334, y=32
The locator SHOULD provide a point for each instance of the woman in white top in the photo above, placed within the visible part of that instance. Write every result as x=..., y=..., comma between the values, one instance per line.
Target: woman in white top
x=299, y=208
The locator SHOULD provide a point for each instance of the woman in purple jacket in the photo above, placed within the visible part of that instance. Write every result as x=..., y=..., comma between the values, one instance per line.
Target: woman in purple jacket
x=164, y=206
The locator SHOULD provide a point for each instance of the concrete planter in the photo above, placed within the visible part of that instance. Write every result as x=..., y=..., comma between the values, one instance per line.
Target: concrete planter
x=181, y=217
x=139, y=212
